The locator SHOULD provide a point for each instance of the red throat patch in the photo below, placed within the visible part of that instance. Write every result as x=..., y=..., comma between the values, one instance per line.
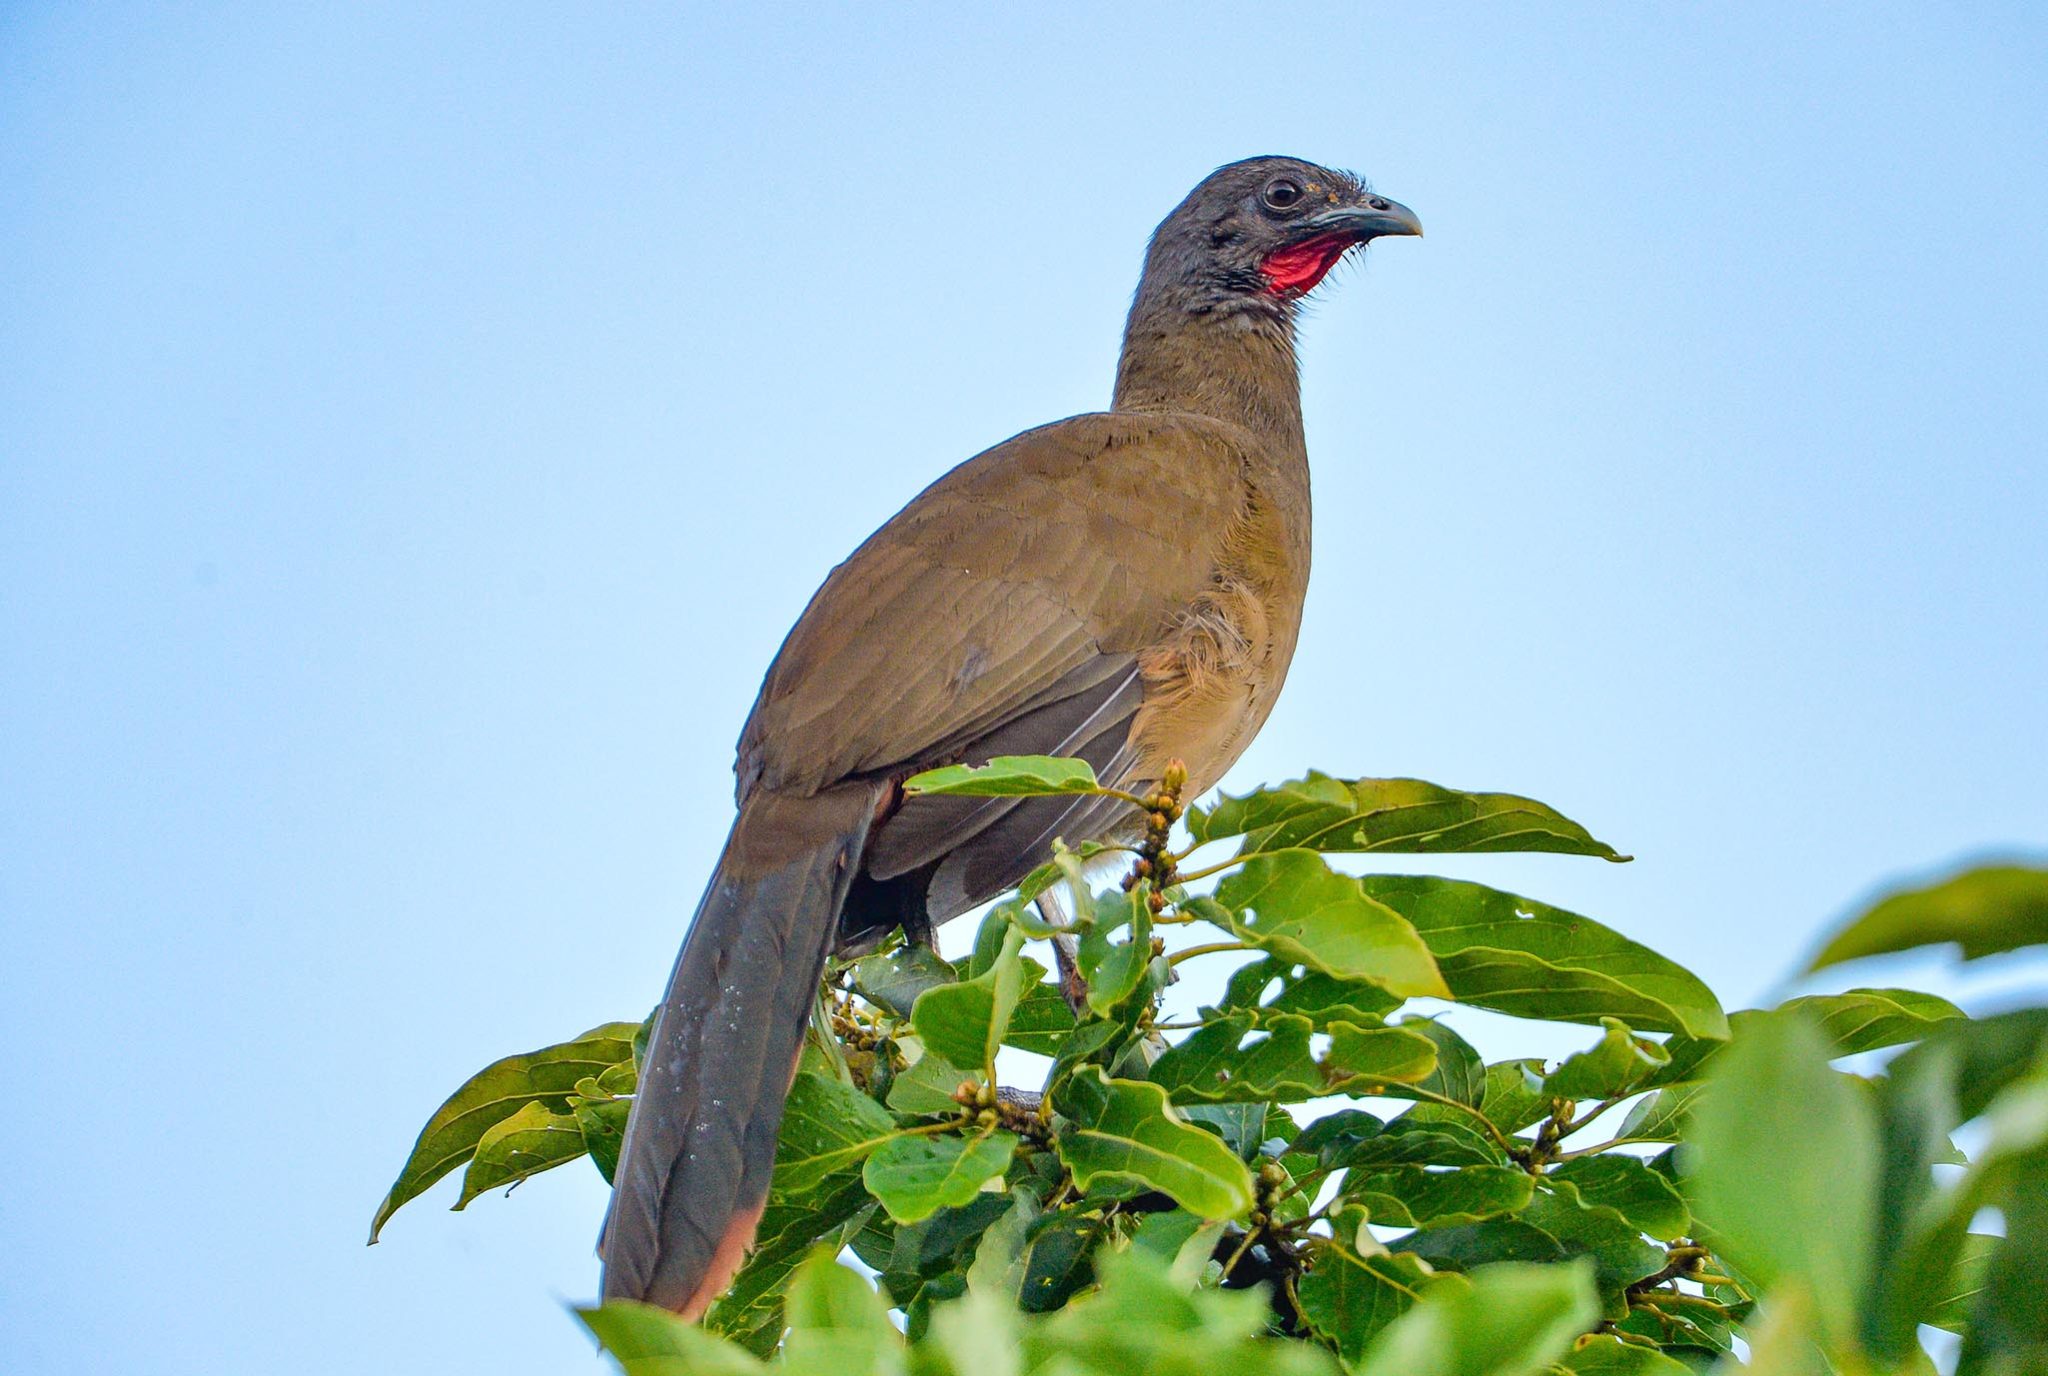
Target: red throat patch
x=1295, y=271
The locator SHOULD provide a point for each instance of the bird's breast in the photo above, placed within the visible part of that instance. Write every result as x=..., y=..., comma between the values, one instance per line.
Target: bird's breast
x=1212, y=679
x=1210, y=685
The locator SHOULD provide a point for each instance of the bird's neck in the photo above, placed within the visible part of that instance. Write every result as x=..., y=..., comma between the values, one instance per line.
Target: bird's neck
x=1234, y=365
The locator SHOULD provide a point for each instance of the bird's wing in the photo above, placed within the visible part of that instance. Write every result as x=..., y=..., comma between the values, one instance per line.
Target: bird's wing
x=1031, y=573
x=1091, y=722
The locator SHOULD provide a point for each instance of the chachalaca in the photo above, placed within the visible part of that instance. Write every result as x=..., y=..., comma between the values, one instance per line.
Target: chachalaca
x=1124, y=586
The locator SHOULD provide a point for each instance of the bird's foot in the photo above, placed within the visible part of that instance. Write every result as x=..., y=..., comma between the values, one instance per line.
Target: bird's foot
x=918, y=931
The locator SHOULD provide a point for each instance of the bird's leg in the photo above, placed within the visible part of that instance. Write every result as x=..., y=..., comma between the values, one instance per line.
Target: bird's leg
x=1073, y=987
x=918, y=930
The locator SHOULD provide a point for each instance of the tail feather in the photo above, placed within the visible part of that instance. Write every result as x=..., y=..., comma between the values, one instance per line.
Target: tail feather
x=700, y=1142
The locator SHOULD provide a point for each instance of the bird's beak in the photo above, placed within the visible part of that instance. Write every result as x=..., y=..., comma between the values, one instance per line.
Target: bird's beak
x=1369, y=219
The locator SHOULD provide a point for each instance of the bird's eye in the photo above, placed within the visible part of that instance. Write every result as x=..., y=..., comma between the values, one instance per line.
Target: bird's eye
x=1282, y=193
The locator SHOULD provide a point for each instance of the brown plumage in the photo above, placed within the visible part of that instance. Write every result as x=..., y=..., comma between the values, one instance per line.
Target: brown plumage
x=1125, y=587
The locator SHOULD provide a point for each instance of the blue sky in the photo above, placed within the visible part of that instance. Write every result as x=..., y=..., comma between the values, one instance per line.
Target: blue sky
x=418, y=429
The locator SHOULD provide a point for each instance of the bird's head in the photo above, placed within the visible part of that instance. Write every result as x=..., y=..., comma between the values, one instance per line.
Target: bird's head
x=1263, y=233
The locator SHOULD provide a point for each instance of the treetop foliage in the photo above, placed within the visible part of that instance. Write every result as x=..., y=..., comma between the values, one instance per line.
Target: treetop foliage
x=1310, y=1175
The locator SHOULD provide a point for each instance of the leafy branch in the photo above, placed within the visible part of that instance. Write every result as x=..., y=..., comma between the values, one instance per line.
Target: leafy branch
x=1375, y=1188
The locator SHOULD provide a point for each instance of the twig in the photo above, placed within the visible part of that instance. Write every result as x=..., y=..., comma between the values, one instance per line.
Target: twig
x=1630, y=1339
x=1190, y=876
x=1567, y=1129
x=1208, y=949
x=1235, y=1257
x=1608, y=1145
x=1656, y=1299
x=1679, y=1261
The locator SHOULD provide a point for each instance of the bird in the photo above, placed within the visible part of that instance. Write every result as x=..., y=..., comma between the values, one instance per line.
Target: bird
x=1123, y=587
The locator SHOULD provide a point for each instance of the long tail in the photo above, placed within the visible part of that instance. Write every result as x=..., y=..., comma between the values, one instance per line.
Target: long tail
x=693, y=1174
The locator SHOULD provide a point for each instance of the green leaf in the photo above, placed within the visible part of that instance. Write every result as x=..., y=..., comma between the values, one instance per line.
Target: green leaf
x=999, y=1257
x=750, y=1311
x=929, y=1086
x=915, y=1177
x=1097, y=1041
x=837, y=1323
x=1068, y=863
x=1234, y=1058
x=2008, y=1326
x=1294, y=905
x=1006, y=776
x=1513, y=1098
x=1113, y=969
x=1413, y=1140
x=1418, y=1197
x=1949, y=1307
x=1124, y=1129
x=1978, y=1059
x=1784, y=1168
x=1629, y=1187
x=1870, y=1019
x=1142, y=1321
x=1395, y=815
x=495, y=1093
x=1330, y=1137
x=1450, y=1142
x=1997, y=1066
x=826, y=1126
x=1386, y=1059
x=1056, y=1260
x=1596, y=1354
x=1616, y=1064
x=934, y=1296
x=1620, y=1255
x=1311, y=993
x=1923, y=1221
x=1466, y=1245
x=972, y=1335
x=966, y=1022
x=1855, y=1021
x=1245, y=1127
x=1231, y=1059
x=1985, y=911
x=650, y=1341
x=1664, y=1116
x=921, y=1260
x=1459, y=1074
x=529, y=1142
x=604, y=1131
x=1348, y=1298
x=995, y=931
x=1695, y=1342
x=1511, y=1320
x=1514, y=1094
x=1786, y=1342
x=893, y=980
x=1184, y=1241
x=1041, y=1020
x=1517, y=956
x=616, y=1080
